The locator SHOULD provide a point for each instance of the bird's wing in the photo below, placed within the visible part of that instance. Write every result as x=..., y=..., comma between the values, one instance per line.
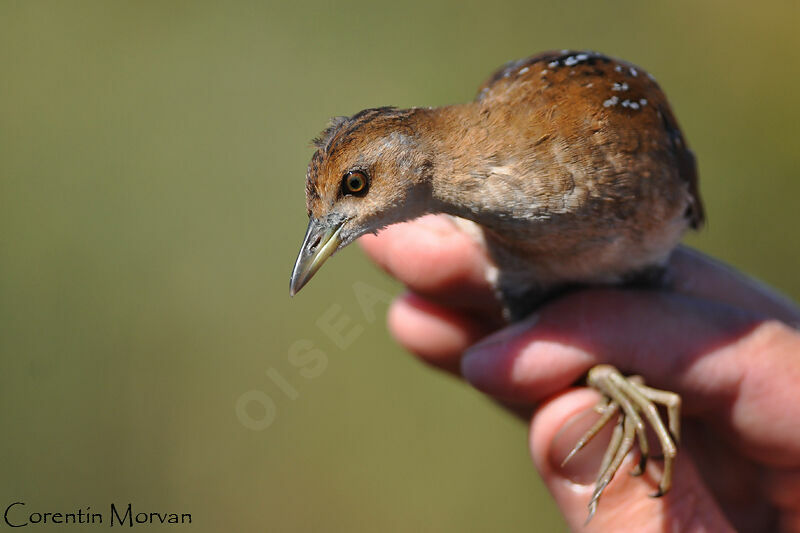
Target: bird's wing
x=687, y=168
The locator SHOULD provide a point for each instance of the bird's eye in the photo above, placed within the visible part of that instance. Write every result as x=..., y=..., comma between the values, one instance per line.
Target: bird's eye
x=354, y=183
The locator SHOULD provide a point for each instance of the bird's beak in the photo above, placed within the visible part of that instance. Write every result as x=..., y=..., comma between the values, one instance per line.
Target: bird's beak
x=321, y=240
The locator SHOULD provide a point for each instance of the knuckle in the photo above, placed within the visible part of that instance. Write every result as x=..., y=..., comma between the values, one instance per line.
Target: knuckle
x=773, y=335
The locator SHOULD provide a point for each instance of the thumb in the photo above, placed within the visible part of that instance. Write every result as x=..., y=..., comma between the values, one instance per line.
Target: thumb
x=626, y=504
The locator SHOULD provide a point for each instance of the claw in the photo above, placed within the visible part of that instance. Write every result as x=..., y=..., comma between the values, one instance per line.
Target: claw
x=639, y=469
x=633, y=402
x=607, y=410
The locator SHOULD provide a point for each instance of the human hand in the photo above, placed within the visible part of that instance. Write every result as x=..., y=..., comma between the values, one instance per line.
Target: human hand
x=726, y=344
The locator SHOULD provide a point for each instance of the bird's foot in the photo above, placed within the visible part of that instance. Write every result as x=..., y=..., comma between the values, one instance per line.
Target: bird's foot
x=630, y=400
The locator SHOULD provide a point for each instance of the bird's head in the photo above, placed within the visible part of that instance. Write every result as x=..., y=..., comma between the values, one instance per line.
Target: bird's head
x=369, y=170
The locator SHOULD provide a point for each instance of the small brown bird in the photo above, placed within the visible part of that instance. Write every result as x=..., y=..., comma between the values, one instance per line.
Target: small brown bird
x=576, y=173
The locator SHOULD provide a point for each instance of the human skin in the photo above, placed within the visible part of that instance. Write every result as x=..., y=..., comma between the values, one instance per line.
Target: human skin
x=727, y=344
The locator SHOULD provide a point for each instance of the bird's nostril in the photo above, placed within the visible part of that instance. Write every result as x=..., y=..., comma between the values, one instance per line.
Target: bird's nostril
x=313, y=245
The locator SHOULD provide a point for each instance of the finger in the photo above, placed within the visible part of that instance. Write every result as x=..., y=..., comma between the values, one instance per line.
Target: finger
x=737, y=483
x=436, y=334
x=652, y=333
x=435, y=258
x=728, y=365
x=783, y=490
x=697, y=274
x=624, y=505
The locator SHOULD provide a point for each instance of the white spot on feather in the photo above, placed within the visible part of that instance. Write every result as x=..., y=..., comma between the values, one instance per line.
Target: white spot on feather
x=611, y=101
x=492, y=274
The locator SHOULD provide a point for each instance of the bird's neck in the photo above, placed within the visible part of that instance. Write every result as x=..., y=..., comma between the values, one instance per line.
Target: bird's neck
x=470, y=179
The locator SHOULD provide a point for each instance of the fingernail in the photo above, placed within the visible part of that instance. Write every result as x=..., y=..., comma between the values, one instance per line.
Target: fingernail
x=479, y=360
x=505, y=335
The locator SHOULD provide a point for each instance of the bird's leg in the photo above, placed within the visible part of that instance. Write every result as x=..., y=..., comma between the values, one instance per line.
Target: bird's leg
x=632, y=402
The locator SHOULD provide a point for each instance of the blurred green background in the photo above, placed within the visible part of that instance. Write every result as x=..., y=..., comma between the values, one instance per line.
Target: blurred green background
x=152, y=160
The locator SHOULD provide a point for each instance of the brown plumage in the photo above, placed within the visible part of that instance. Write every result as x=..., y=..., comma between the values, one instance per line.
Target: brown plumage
x=571, y=164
